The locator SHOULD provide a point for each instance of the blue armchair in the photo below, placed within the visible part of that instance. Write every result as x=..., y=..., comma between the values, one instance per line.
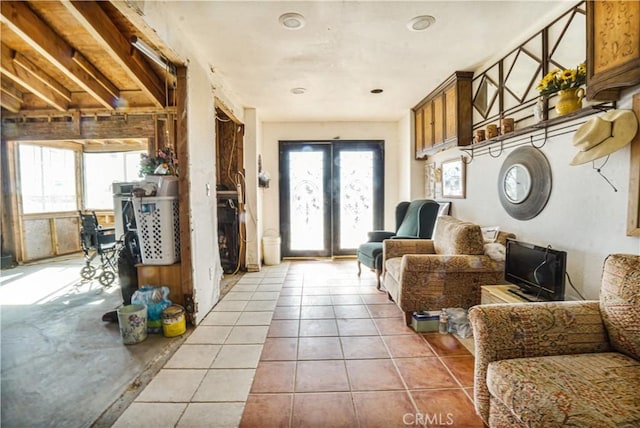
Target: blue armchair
x=414, y=219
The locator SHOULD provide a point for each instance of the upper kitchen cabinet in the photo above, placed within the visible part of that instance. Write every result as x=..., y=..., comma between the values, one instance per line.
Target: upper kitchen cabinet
x=443, y=119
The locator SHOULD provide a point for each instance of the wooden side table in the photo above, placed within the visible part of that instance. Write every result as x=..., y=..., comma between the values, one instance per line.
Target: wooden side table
x=499, y=294
x=167, y=275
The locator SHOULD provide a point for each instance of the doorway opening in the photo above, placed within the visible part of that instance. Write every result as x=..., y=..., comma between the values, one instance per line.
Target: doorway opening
x=230, y=187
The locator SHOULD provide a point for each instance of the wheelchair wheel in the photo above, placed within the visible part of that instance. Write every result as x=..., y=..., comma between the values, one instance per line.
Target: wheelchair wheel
x=88, y=272
x=106, y=278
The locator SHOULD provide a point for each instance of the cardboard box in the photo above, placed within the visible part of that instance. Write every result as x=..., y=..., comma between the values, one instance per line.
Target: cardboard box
x=425, y=321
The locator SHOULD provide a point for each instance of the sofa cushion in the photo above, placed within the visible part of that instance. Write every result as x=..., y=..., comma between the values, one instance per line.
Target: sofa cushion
x=620, y=302
x=453, y=236
x=596, y=390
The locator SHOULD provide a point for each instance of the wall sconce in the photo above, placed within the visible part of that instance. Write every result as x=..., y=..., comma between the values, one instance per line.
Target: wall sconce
x=263, y=176
x=263, y=179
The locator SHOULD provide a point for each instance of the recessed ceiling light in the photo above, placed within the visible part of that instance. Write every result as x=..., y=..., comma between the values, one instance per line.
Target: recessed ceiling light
x=421, y=23
x=298, y=91
x=292, y=21
x=377, y=91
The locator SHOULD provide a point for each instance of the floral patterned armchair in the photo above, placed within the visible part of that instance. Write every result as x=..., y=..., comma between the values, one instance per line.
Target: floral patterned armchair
x=558, y=364
x=443, y=272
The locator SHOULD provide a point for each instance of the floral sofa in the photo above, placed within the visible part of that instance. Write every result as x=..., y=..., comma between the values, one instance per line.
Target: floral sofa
x=556, y=364
x=445, y=271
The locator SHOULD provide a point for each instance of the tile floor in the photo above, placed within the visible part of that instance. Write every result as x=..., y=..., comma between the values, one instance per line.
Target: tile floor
x=309, y=344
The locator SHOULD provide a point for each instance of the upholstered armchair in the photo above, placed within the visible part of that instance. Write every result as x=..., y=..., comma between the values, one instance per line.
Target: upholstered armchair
x=552, y=364
x=443, y=272
x=414, y=219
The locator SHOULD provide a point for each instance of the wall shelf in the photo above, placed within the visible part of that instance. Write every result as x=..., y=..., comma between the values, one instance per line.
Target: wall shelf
x=542, y=125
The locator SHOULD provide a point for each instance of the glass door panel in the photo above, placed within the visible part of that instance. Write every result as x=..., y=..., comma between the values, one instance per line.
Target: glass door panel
x=356, y=198
x=306, y=201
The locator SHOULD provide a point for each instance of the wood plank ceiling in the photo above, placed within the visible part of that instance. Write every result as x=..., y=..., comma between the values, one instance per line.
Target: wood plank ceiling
x=75, y=58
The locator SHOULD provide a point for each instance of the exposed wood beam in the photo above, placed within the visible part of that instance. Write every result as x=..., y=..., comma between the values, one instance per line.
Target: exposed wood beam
x=27, y=80
x=11, y=90
x=135, y=16
x=105, y=32
x=24, y=22
x=86, y=112
x=9, y=102
x=89, y=68
x=80, y=128
x=25, y=63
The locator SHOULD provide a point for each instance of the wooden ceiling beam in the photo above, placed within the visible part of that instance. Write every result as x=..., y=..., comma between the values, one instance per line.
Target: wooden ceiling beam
x=27, y=80
x=96, y=74
x=10, y=96
x=33, y=30
x=10, y=90
x=105, y=32
x=25, y=63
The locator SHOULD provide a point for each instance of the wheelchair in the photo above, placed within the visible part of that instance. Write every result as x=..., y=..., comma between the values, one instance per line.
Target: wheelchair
x=98, y=242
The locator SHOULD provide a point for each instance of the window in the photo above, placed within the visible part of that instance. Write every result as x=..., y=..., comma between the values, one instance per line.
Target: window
x=101, y=170
x=47, y=179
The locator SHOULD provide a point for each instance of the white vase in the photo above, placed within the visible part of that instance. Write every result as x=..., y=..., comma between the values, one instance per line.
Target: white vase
x=538, y=110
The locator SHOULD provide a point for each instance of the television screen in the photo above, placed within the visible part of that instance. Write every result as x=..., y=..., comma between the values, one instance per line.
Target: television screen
x=538, y=271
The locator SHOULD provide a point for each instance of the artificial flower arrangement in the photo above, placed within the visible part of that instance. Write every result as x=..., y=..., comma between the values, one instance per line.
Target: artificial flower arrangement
x=164, y=163
x=559, y=80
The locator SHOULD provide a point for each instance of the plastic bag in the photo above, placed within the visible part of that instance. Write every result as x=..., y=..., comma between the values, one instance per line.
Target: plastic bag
x=459, y=322
x=155, y=299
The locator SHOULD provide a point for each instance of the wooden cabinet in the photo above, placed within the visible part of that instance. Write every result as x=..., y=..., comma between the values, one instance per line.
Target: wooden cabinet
x=443, y=118
x=167, y=275
x=499, y=294
x=613, y=51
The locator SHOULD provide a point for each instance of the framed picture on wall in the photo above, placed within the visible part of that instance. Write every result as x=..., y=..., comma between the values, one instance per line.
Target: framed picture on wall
x=453, y=179
x=430, y=180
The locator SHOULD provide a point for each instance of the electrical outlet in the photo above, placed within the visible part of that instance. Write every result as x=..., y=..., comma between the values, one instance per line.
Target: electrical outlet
x=211, y=273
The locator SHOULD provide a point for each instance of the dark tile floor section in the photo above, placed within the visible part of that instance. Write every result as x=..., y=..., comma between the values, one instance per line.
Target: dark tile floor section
x=338, y=354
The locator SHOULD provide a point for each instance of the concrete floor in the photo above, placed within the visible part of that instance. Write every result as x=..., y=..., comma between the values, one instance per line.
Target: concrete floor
x=61, y=365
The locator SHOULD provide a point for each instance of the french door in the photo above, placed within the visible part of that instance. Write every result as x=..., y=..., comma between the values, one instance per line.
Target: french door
x=331, y=195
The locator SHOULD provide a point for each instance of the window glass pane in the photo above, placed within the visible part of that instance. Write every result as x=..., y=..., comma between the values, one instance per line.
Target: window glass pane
x=47, y=179
x=101, y=170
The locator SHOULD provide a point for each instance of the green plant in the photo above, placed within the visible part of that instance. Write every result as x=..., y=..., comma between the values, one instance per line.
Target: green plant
x=559, y=80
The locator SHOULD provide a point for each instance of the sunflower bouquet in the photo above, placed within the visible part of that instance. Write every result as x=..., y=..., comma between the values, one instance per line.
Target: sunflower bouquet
x=559, y=80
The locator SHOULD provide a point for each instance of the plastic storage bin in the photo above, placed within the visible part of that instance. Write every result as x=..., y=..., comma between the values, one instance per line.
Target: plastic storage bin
x=158, y=225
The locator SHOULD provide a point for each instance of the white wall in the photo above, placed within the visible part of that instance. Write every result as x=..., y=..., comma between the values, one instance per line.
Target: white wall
x=584, y=215
x=273, y=132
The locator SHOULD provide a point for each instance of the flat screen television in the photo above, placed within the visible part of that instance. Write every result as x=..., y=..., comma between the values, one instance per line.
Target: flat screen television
x=538, y=272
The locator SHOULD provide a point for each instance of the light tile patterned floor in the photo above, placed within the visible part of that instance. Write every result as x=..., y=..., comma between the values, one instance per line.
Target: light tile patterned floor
x=306, y=344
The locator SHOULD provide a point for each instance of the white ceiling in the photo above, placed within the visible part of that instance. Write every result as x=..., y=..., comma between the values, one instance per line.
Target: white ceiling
x=348, y=48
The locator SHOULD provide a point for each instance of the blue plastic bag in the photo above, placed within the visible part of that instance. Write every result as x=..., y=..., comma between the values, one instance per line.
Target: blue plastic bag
x=155, y=298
